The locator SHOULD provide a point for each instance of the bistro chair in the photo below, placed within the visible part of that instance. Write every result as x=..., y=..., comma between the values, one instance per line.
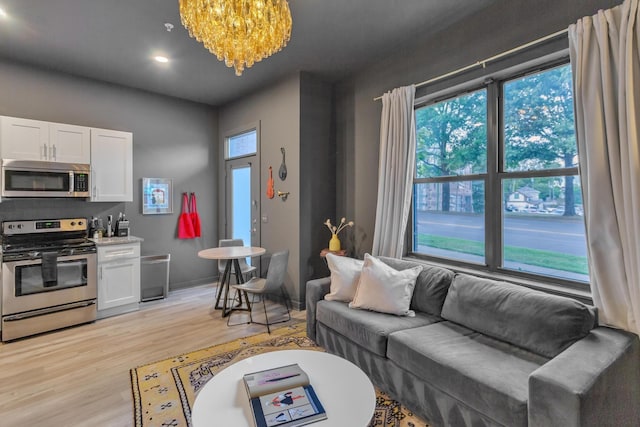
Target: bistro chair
x=272, y=284
x=245, y=269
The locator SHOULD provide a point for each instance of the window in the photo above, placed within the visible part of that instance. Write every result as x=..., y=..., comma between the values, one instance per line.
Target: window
x=244, y=144
x=451, y=165
x=497, y=182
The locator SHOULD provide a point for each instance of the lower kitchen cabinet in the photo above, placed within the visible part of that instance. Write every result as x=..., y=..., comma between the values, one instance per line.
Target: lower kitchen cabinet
x=118, y=278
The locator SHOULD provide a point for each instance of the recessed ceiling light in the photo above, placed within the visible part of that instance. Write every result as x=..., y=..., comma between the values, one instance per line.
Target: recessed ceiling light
x=3, y=14
x=162, y=59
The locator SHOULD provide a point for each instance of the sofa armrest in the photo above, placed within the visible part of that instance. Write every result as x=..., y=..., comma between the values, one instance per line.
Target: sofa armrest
x=594, y=382
x=316, y=290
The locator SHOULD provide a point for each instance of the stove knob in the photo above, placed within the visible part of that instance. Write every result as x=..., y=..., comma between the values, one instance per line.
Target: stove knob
x=73, y=223
x=80, y=223
x=10, y=226
x=20, y=226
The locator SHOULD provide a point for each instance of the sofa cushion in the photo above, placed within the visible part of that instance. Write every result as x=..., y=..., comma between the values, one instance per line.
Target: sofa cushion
x=345, y=273
x=431, y=287
x=383, y=288
x=368, y=329
x=486, y=374
x=543, y=323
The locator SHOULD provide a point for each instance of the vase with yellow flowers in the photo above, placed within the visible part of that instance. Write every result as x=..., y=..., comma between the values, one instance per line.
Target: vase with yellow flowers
x=334, y=243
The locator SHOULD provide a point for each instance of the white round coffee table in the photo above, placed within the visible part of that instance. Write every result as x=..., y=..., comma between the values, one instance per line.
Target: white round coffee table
x=344, y=390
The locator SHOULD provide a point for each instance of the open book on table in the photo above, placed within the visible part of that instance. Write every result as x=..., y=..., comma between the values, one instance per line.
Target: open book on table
x=282, y=396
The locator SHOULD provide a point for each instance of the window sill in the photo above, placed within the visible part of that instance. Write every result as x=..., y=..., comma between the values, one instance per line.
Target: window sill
x=583, y=296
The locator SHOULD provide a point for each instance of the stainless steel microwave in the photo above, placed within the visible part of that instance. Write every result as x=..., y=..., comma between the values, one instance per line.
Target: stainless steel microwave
x=23, y=178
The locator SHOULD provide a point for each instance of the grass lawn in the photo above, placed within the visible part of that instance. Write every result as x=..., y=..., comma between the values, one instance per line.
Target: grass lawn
x=547, y=259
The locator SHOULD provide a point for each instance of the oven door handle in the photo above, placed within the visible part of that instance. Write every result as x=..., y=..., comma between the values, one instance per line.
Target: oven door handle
x=44, y=311
x=61, y=258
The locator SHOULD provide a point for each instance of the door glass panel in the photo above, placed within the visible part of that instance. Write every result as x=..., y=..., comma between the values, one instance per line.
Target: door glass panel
x=241, y=204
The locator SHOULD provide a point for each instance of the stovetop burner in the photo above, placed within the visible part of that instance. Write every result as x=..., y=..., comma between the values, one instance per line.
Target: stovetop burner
x=29, y=239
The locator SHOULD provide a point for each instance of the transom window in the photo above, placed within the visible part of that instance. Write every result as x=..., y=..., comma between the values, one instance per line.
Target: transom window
x=496, y=180
x=244, y=144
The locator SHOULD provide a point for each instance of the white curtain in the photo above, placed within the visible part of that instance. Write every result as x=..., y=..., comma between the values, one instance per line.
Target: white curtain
x=605, y=58
x=395, y=171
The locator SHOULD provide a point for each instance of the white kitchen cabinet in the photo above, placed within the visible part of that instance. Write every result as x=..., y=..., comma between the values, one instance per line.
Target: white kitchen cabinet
x=111, y=166
x=69, y=143
x=118, y=278
x=26, y=139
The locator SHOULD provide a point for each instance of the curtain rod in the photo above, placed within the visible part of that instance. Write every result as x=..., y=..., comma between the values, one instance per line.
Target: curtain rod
x=484, y=62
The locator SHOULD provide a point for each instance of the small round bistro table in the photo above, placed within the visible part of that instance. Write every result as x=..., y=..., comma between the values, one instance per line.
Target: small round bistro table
x=231, y=255
x=345, y=392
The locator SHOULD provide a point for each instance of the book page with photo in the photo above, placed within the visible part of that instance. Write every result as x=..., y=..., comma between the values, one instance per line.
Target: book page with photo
x=272, y=380
x=283, y=397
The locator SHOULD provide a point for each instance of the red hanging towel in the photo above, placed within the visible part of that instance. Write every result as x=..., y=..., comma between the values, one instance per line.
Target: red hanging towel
x=195, y=218
x=185, y=225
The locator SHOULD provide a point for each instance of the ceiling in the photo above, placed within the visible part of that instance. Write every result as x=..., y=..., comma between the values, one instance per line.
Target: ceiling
x=115, y=41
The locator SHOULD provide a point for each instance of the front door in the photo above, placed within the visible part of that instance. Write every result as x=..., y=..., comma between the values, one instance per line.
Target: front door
x=242, y=213
x=242, y=186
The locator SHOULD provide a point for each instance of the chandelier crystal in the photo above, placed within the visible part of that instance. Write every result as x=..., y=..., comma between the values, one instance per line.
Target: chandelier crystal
x=238, y=32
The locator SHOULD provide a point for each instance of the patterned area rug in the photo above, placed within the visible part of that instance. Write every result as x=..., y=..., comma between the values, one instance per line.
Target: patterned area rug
x=164, y=392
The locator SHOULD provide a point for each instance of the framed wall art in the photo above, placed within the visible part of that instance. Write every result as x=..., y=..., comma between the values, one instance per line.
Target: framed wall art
x=157, y=196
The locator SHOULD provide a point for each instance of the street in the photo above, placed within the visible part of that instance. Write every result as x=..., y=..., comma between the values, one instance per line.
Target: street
x=553, y=233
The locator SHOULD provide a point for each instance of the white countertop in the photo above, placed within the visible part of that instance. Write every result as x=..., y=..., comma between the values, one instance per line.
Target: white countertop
x=116, y=240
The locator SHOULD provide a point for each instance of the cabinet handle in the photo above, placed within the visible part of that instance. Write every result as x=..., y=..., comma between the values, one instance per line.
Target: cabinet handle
x=44, y=151
x=120, y=253
x=101, y=272
x=94, y=194
x=55, y=153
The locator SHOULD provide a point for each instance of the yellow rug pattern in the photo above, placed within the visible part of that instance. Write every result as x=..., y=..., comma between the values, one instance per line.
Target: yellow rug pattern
x=164, y=391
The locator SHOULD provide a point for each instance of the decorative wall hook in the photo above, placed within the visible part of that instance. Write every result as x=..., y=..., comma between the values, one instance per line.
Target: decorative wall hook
x=283, y=195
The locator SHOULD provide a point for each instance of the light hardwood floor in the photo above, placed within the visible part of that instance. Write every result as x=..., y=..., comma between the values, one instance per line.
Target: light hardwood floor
x=80, y=376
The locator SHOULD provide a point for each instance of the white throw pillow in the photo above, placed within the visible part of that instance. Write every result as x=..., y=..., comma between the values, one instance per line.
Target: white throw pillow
x=345, y=273
x=385, y=289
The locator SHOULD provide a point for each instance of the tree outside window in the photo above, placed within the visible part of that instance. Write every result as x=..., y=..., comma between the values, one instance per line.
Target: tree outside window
x=533, y=186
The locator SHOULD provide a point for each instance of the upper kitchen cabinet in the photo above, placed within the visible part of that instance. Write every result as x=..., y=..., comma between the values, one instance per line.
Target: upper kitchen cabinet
x=111, y=166
x=25, y=139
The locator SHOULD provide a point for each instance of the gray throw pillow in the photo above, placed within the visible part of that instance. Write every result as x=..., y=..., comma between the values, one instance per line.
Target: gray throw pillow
x=432, y=284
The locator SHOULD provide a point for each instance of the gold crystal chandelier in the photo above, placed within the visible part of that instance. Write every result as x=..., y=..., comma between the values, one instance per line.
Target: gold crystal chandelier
x=240, y=32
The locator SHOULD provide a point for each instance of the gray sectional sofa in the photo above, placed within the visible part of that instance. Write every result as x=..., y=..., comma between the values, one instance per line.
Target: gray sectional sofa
x=486, y=353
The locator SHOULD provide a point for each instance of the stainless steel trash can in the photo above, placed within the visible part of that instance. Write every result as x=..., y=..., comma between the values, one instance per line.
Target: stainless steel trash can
x=154, y=276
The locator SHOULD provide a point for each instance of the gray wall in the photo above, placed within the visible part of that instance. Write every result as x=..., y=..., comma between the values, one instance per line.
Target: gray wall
x=277, y=109
x=317, y=176
x=171, y=139
x=503, y=26
x=296, y=114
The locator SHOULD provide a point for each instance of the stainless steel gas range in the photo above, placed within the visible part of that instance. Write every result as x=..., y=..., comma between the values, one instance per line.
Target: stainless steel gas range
x=48, y=276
